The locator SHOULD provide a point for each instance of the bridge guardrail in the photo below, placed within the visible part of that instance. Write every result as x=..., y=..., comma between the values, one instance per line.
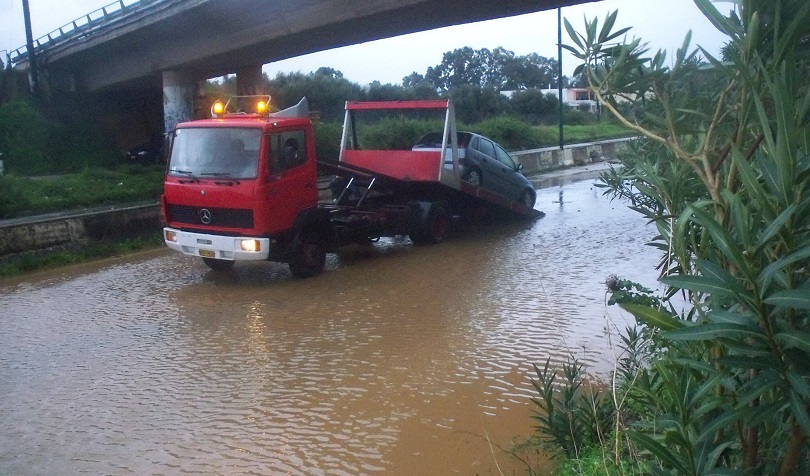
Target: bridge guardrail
x=82, y=25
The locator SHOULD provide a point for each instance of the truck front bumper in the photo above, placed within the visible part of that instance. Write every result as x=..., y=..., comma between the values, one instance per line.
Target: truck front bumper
x=231, y=248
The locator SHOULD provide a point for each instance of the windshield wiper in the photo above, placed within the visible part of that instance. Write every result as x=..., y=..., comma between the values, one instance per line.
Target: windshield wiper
x=230, y=181
x=185, y=172
x=216, y=174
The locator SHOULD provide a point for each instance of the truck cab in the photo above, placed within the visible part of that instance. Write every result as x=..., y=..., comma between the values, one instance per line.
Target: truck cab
x=242, y=186
x=236, y=184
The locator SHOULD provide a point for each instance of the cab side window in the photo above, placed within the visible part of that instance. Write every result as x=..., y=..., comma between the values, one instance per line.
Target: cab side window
x=287, y=151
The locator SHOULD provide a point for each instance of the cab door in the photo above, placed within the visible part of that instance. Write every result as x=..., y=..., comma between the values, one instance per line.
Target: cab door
x=289, y=178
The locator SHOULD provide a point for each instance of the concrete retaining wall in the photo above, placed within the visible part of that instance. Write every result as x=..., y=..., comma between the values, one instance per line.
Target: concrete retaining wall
x=550, y=158
x=41, y=232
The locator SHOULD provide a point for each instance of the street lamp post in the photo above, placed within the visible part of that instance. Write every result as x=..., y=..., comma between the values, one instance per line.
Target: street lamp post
x=29, y=43
x=559, y=72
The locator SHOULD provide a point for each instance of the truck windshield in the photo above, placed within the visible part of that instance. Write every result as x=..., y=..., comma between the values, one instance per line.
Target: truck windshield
x=216, y=152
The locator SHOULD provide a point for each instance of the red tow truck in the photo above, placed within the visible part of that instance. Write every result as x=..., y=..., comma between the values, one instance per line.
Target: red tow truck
x=243, y=186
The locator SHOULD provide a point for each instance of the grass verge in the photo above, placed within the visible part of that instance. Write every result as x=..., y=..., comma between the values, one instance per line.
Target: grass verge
x=22, y=196
x=15, y=265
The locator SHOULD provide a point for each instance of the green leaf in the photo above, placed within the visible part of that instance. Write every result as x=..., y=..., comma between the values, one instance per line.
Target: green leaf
x=767, y=274
x=795, y=339
x=710, y=331
x=607, y=26
x=763, y=412
x=698, y=284
x=573, y=34
x=712, y=271
x=798, y=406
x=653, y=317
x=744, y=362
x=721, y=238
x=758, y=386
x=721, y=316
x=724, y=420
x=798, y=383
x=617, y=34
x=792, y=298
x=658, y=450
x=775, y=226
x=577, y=54
x=716, y=18
x=750, y=180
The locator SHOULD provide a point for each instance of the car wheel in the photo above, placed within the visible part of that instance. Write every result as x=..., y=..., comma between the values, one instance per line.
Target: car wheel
x=473, y=177
x=309, y=255
x=528, y=198
x=436, y=226
x=218, y=264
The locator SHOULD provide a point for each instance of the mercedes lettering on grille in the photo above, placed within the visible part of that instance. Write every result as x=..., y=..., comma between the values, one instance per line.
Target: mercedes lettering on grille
x=205, y=216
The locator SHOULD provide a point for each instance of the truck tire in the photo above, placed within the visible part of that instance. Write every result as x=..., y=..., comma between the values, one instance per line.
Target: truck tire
x=435, y=227
x=308, y=254
x=218, y=264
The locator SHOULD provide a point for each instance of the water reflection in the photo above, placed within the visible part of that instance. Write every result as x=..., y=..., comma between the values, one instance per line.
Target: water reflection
x=399, y=359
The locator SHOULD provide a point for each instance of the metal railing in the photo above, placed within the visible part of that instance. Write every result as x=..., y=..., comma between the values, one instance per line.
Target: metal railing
x=82, y=26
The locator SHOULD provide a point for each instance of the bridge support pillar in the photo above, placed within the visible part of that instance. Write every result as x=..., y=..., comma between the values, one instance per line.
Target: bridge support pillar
x=178, y=98
x=249, y=80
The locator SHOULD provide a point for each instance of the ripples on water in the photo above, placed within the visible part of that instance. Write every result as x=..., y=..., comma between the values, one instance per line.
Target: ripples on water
x=398, y=360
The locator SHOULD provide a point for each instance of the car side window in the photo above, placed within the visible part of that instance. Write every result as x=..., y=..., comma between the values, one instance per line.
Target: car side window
x=504, y=158
x=287, y=151
x=486, y=147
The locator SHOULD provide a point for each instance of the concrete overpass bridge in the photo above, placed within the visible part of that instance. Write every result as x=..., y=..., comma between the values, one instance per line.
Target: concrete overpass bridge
x=171, y=45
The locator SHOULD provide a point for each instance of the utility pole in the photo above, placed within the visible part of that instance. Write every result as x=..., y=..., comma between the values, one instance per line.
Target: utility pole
x=29, y=43
x=559, y=72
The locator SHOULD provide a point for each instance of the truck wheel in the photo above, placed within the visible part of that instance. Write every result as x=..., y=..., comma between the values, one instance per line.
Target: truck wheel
x=435, y=228
x=218, y=264
x=309, y=255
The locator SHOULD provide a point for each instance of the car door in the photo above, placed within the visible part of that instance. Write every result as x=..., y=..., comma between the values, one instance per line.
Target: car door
x=513, y=180
x=491, y=167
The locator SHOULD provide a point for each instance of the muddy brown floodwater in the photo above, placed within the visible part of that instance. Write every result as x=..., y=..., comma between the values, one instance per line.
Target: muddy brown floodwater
x=398, y=360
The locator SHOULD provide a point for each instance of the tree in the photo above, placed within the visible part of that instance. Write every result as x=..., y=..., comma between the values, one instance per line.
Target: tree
x=326, y=89
x=474, y=103
x=461, y=67
x=533, y=105
x=500, y=69
x=724, y=173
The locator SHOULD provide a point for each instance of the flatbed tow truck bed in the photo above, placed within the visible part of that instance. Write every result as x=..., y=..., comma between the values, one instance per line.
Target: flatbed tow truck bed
x=465, y=195
x=425, y=174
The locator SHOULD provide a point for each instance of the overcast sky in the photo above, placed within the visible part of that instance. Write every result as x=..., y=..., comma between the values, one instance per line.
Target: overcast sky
x=661, y=23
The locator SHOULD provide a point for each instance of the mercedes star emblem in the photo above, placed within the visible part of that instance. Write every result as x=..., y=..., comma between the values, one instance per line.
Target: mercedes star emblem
x=205, y=216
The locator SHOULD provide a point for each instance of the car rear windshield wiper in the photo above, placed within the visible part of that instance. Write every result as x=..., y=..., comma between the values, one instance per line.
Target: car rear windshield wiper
x=216, y=174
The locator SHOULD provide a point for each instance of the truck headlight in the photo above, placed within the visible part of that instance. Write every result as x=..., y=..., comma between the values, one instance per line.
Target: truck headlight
x=250, y=245
x=170, y=236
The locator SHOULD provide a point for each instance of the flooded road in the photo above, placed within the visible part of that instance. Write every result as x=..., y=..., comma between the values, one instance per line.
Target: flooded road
x=398, y=360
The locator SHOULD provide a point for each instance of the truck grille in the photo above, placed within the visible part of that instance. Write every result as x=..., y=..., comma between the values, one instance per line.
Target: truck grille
x=224, y=217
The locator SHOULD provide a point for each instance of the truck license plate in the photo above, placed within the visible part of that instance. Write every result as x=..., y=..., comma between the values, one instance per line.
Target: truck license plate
x=208, y=253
